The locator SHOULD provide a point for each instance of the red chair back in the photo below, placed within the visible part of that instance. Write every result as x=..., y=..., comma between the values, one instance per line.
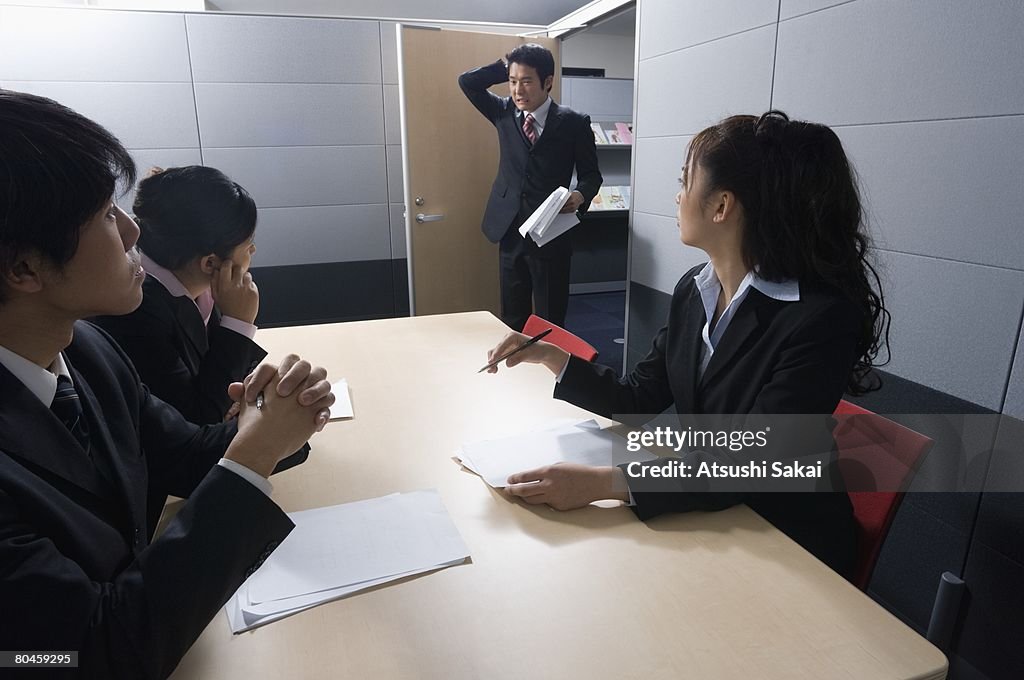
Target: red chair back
x=559, y=336
x=874, y=450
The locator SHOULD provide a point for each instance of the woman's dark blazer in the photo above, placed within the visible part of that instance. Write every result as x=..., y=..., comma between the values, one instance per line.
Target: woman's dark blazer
x=775, y=357
x=183, y=362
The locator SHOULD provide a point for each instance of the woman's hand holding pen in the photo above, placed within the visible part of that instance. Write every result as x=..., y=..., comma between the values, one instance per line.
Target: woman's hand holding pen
x=545, y=353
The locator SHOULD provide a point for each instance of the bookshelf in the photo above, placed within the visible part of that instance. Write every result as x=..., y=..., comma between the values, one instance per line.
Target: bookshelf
x=599, y=244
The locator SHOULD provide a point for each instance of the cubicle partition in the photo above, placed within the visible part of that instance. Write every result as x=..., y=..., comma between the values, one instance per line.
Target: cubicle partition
x=302, y=111
x=927, y=101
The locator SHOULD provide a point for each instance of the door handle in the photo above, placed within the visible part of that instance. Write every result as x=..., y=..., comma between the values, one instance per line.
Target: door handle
x=421, y=218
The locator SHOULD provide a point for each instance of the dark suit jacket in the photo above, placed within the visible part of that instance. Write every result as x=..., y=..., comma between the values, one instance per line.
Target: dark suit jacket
x=183, y=362
x=527, y=175
x=774, y=358
x=77, y=570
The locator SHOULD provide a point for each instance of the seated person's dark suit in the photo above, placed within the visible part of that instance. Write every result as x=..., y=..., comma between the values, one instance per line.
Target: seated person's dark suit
x=774, y=358
x=526, y=177
x=184, y=362
x=77, y=569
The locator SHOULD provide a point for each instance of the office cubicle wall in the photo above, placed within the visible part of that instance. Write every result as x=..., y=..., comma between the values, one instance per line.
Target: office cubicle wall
x=130, y=71
x=927, y=100
x=611, y=52
x=1015, y=392
x=303, y=112
x=696, y=62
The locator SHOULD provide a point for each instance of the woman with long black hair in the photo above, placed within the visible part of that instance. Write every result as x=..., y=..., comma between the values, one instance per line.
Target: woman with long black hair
x=787, y=315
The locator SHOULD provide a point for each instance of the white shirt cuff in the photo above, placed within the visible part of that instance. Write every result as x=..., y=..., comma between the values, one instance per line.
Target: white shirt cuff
x=632, y=501
x=238, y=326
x=561, y=374
x=248, y=475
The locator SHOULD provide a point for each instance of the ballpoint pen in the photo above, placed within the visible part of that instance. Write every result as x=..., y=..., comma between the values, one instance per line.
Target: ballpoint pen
x=520, y=348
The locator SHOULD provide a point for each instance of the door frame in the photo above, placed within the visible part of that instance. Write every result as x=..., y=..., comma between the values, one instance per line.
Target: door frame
x=410, y=210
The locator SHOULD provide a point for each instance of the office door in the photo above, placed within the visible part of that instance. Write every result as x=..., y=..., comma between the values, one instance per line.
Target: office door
x=450, y=153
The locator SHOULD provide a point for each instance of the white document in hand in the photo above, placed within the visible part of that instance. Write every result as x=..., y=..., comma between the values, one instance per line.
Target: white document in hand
x=546, y=223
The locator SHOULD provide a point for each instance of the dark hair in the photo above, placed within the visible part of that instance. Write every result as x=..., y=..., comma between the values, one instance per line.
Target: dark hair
x=803, y=214
x=189, y=212
x=537, y=56
x=57, y=170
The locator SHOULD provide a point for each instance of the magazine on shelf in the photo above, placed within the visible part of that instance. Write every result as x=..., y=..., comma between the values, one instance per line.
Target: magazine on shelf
x=618, y=198
x=599, y=137
x=611, y=198
x=625, y=133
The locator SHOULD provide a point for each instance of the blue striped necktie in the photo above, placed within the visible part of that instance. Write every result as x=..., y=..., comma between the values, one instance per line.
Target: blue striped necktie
x=67, y=406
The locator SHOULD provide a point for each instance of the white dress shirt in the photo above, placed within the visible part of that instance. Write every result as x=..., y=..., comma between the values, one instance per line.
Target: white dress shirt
x=540, y=116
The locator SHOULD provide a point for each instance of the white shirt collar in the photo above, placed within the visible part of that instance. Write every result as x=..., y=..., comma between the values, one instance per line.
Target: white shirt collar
x=174, y=286
x=784, y=291
x=710, y=288
x=540, y=114
x=39, y=381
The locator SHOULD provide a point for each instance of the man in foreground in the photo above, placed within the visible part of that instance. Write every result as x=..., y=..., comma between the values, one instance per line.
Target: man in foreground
x=82, y=440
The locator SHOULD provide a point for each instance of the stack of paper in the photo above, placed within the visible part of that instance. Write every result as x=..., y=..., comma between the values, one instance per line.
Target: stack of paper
x=343, y=549
x=585, y=442
x=546, y=224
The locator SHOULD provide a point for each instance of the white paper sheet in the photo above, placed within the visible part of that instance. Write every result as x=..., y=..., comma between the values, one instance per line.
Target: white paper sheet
x=343, y=549
x=559, y=225
x=243, y=617
x=342, y=406
x=494, y=460
x=546, y=224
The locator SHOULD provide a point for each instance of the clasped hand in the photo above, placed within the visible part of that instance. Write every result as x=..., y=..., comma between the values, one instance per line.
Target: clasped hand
x=297, y=399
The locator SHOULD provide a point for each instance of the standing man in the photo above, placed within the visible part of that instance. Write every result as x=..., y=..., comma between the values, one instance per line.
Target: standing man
x=541, y=143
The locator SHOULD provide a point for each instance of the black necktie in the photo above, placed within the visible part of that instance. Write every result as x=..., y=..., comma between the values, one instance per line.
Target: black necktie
x=68, y=408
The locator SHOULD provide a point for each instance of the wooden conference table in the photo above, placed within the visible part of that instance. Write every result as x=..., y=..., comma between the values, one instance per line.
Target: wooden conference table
x=590, y=593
